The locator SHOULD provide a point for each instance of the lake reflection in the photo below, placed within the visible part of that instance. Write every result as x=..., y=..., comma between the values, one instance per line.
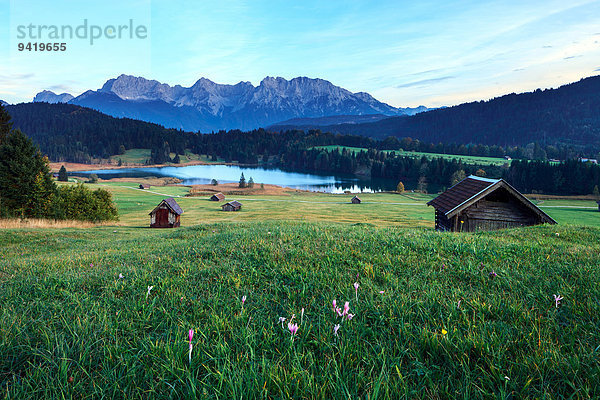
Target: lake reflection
x=203, y=174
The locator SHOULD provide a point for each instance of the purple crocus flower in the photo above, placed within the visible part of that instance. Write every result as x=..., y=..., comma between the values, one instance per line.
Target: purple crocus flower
x=336, y=328
x=346, y=308
x=293, y=328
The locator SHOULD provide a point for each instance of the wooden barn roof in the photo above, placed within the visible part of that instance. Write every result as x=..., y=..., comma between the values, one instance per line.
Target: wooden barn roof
x=171, y=204
x=219, y=195
x=234, y=203
x=474, y=188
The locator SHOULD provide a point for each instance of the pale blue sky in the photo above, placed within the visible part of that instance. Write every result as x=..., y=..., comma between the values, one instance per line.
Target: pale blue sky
x=404, y=53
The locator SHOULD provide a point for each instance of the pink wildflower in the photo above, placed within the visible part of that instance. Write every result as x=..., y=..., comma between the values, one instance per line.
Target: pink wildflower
x=190, y=335
x=557, y=300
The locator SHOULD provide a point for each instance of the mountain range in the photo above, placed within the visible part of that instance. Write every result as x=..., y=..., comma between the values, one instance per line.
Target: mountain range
x=207, y=106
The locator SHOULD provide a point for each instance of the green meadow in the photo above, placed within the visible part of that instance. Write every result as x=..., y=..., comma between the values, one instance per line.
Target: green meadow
x=378, y=209
x=435, y=315
x=141, y=156
x=478, y=160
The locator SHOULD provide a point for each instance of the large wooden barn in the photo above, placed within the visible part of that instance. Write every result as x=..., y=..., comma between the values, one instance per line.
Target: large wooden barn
x=477, y=203
x=166, y=215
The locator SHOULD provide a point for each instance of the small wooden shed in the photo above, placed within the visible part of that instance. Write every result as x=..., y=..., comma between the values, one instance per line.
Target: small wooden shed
x=477, y=203
x=217, y=197
x=144, y=186
x=232, y=206
x=166, y=215
x=356, y=200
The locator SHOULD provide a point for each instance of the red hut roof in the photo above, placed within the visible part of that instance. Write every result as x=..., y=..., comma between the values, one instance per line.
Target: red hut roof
x=171, y=204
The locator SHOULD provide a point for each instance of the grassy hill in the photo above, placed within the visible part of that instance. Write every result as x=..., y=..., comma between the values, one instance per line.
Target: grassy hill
x=70, y=327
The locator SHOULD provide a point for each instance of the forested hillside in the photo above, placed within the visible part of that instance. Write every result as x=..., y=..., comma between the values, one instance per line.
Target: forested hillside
x=569, y=115
x=68, y=132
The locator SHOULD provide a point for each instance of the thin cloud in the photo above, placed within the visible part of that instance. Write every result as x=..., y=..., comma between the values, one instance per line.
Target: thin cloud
x=429, y=71
x=16, y=77
x=59, y=88
x=424, y=82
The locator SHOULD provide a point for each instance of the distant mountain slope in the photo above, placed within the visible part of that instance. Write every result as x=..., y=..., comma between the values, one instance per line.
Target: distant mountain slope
x=3, y=103
x=208, y=106
x=310, y=123
x=568, y=115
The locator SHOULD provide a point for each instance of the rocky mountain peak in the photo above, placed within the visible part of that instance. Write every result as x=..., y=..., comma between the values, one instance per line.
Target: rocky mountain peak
x=48, y=96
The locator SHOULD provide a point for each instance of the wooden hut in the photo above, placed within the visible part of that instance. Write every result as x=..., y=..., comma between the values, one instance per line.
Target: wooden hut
x=232, y=206
x=166, y=215
x=144, y=186
x=217, y=197
x=356, y=200
x=477, y=203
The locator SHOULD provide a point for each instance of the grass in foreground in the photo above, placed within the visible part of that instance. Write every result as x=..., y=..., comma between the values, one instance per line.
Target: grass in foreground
x=69, y=327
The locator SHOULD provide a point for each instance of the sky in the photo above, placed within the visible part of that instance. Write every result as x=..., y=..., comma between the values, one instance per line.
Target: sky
x=431, y=53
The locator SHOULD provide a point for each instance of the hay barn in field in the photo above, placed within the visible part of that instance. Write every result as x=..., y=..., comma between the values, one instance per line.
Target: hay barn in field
x=144, y=186
x=217, y=197
x=232, y=206
x=480, y=204
x=166, y=215
x=356, y=200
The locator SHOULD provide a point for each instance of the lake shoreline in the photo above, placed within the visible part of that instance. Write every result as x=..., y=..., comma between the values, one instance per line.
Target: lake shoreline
x=202, y=174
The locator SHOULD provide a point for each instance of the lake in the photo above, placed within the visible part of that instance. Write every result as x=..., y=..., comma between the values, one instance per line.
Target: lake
x=203, y=174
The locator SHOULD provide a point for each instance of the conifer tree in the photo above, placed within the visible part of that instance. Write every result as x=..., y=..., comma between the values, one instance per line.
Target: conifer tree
x=26, y=186
x=62, y=174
